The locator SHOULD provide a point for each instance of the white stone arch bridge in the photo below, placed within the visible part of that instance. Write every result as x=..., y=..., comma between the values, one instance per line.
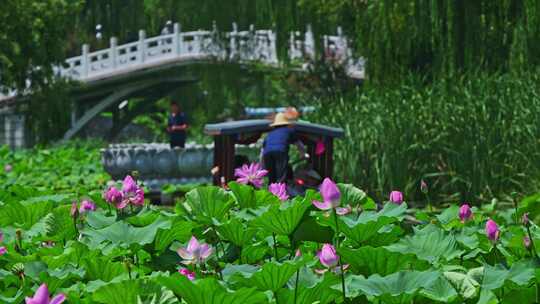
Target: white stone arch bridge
x=149, y=67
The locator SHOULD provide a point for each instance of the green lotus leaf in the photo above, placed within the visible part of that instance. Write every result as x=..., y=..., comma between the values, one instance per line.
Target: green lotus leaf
x=122, y=292
x=208, y=203
x=282, y=219
x=464, y=283
x=179, y=231
x=521, y=273
x=103, y=269
x=271, y=276
x=368, y=224
x=429, y=243
x=98, y=219
x=210, y=291
x=441, y=291
x=311, y=288
x=236, y=232
x=254, y=253
x=243, y=194
x=248, y=197
x=24, y=215
x=354, y=196
x=123, y=234
x=369, y=260
x=403, y=284
x=310, y=230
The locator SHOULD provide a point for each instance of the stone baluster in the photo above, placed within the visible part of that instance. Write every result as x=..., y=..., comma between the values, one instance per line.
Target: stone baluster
x=113, y=52
x=142, y=46
x=251, y=50
x=232, y=41
x=177, y=40
x=309, y=43
x=273, y=48
x=85, y=62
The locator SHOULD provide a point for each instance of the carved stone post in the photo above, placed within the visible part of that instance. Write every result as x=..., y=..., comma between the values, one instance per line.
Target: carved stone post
x=232, y=41
x=309, y=43
x=273, y=48
x=177, y=40
x=142, y=46
x=113, y=52
x=85, y=63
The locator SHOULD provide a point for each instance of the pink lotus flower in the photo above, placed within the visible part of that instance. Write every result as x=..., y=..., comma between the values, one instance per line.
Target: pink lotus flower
x=279, y=190
x=423, y=187
x=132, y=192
x=250, y=174
x=129, y=185
x=188, y=274
x=8, y=168
x=492, y=230
x=465, y=212
x=328, y=256
x=330, y=195
x=3, y=250
x=86, y=206
x=115, y=197
x=319, y=148
x=527, y=242
x=396, y=197
x=42, y=297
x=74, y=212
x=195, y=252
x=525, y=219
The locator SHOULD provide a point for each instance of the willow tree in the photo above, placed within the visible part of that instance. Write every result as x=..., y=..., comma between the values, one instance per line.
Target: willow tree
x=438, y=37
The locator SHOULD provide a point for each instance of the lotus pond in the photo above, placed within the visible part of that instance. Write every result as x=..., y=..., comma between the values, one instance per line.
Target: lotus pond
x=81, y=240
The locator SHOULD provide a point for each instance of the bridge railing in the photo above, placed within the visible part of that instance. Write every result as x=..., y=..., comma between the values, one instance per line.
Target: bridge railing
x=241, y=46
x=238, y=46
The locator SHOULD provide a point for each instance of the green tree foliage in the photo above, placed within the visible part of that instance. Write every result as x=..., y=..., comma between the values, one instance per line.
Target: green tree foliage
x=32, y=38
x=437, y=37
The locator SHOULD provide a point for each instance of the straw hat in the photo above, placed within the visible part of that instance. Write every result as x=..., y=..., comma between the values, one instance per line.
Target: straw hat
x=280, y=120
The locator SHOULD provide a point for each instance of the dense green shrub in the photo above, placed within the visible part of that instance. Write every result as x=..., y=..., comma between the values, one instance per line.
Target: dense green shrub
x=465, y=136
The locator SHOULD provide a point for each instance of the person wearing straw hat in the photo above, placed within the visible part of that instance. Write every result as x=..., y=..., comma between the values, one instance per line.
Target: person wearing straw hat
x=275, y=150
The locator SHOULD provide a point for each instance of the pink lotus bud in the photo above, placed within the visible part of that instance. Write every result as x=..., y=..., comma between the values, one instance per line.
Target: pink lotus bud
x=527, y=242
x=86, y=206
x=298, y=253
x=279, y=190
x=42, y=297
x=8, y=168
x=74, y=212
x=465, y=212
x=3, y=250
x=330, y=194
x=423, y=187
x=328, y=256
x=492, y=230
x=396, y=197
x=525, y=219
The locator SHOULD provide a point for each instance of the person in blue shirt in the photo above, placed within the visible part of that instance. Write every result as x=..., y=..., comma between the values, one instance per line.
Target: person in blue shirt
x=176, y=126
x=275, y=150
